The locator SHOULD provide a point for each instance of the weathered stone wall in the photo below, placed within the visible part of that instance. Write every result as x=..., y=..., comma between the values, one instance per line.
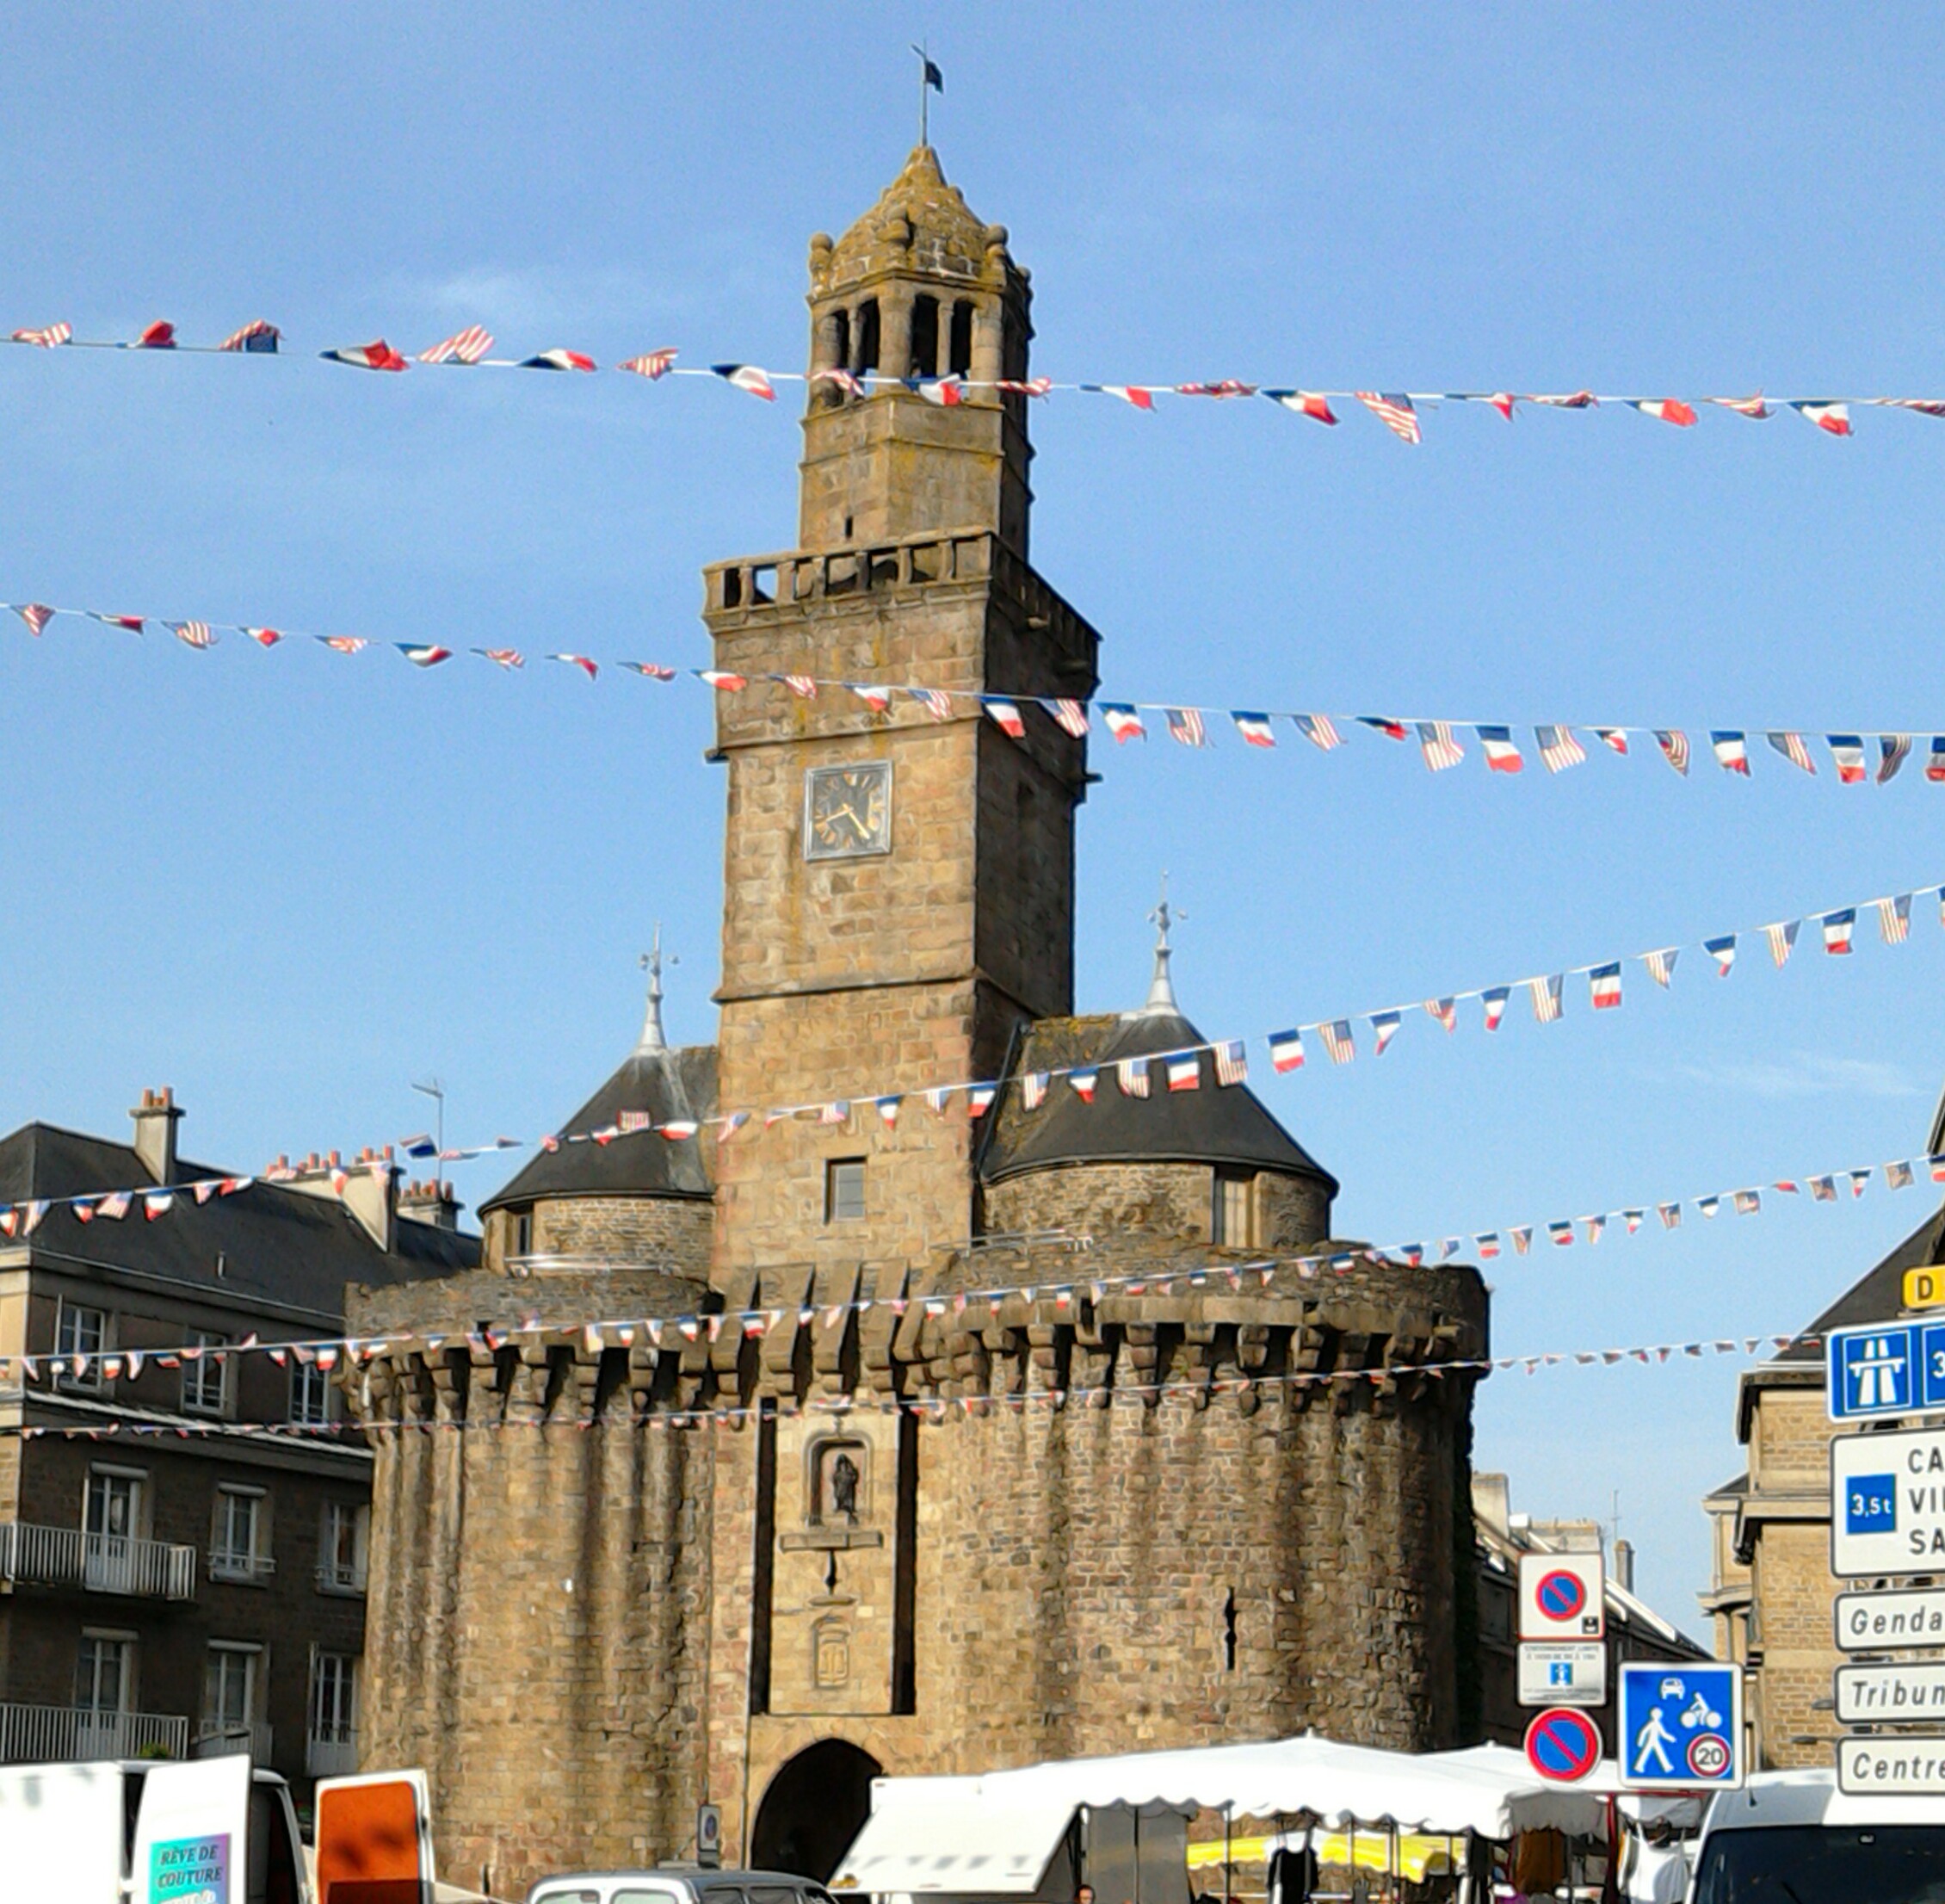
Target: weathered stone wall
x=671, y=1233
x=1164, y=1201
x=565, y=1608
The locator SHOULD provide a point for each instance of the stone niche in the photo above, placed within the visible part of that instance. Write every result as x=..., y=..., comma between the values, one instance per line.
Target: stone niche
x=835, y=1562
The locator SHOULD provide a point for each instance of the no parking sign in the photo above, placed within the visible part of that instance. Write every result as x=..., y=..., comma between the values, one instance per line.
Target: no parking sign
x=1562, y=1597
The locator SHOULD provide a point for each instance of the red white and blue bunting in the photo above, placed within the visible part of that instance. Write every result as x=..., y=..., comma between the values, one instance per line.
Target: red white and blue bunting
x=1855, y=757
x=1400, y=412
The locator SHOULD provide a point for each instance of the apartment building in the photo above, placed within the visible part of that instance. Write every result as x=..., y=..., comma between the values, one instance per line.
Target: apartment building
x=169, y=1585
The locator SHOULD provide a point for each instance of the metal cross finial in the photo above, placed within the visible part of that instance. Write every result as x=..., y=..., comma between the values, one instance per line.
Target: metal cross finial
x=651, y=962
x=1164, y=916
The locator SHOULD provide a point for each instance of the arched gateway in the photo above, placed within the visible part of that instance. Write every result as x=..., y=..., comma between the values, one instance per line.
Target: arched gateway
x=812, y=1808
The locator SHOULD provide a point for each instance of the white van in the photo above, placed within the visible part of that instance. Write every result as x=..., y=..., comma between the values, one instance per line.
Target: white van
x=677, y=1884
x=1793, y=1838
x=206, y=1831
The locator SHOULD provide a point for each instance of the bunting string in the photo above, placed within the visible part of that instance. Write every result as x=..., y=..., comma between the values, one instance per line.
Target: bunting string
x=1558, y=744
x=345, y=1354
x=1181, y=1069
x=1399, y=411
x=932, y=1409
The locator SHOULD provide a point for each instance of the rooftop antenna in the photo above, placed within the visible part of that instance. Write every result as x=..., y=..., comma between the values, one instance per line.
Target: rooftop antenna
x=432, y=1088
x=652, y=1038
x=1161, y=987
x=930, y=80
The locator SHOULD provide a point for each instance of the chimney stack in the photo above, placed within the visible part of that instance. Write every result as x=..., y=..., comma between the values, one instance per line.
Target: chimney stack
x=156, y=1118
x=1624, y=1565
x=432, y=1202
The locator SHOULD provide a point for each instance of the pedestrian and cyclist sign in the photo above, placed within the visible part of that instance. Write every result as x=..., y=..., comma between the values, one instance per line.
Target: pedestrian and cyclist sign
x=1680, y=1725
x=1562, y=1597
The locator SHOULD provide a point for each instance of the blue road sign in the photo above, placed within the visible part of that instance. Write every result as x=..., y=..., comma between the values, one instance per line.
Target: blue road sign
x=1681, y=1725
x=1885, y=1369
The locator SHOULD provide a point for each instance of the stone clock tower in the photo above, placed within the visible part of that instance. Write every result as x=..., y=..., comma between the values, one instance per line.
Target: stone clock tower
x=900, y=887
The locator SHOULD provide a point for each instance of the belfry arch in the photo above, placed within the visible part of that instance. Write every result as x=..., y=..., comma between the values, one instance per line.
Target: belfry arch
x=812, y=1807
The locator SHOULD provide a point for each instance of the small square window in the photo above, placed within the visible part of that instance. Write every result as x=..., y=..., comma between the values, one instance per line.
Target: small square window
x=1231, y=1216
x=205, y=1380
x=83, y=1331
x=843, y=1191
x=310, y=1394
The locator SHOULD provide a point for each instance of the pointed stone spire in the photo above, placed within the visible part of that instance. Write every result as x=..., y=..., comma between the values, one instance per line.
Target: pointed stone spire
x=1160, y=1002
x=651, y=1037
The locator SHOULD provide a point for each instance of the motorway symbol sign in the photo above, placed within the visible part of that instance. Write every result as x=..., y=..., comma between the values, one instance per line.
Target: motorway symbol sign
x=1562, y=1597
x=1562, y=1744
x=1900, y=1692
x=1681, y=1725
x=1563, y=1673
x=1903, y=1767
x=1888, y=1503
x=1885, y=1369
x=1890, y=1622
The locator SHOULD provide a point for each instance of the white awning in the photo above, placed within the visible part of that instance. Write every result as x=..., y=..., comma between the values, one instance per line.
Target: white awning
x=930, y=1835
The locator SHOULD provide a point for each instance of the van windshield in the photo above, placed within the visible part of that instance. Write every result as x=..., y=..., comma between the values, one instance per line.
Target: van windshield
x=1824, y=1865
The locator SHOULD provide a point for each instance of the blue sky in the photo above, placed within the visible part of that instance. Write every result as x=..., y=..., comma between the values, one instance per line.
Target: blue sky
x=289, y=883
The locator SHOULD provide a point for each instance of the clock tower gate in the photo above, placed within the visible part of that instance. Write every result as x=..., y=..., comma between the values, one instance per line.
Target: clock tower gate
x=898, y=872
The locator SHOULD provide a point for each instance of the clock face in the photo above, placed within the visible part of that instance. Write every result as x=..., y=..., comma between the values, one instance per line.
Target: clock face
x=848, y=810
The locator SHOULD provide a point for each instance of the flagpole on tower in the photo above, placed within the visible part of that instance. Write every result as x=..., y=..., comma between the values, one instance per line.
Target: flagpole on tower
x=930, y=80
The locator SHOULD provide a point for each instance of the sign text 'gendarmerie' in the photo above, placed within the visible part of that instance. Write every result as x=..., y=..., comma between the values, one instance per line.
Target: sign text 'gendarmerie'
x=1890, y=1622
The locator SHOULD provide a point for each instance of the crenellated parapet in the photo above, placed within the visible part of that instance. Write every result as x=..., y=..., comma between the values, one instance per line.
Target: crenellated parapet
x=798, y=1337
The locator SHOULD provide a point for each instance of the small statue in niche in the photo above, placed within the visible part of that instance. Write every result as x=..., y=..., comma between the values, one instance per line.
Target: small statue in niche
x=844, y=1487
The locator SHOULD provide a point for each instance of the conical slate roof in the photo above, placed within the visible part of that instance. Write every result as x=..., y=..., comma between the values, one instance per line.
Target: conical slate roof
x=668, y=1086
x=1215, y=1124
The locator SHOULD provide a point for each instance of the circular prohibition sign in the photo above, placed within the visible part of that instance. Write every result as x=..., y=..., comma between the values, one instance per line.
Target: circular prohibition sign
x=1562, y=1744
x=1561, y=1595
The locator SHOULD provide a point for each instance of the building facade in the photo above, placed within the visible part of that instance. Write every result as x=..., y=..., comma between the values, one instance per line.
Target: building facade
x=981, y=1434
x=166, y=1588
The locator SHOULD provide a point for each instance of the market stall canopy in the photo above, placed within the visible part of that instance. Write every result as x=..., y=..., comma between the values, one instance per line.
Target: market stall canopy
x=994, y=1835
x=934, y=1835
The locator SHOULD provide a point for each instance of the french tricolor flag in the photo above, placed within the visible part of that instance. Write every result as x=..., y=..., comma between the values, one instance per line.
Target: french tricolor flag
x=427, y=656
x=557, y=359
x=1286, y=1050
x=1837, y=929
x=1305, y=403
x=1603, y=983
x=1084, y=1083
x=1128, y=392
x=377, y=355
x=747, y=376
x=1561, y=1234
x=1123, y=722
x=1833, y=416
x=1847, y=752
x=1383, y=1028
x=1495, y=1002
x=1732, y=751
x=1667, y=410
x=947, y=391
x=1006, y=714
x=1185, y=1074
x=1502, y=755
x=1254, y=728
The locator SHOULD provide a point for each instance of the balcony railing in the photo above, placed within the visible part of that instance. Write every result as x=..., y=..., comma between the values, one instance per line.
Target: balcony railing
x=332, y=1757
x=100, y=1563
x=215, y=1739
x=36, y=1735
x=243, y=1568
x=335, y=1577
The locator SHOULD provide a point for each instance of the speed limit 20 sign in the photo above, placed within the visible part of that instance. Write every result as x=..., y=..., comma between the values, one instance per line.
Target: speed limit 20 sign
x=1562, y=1597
